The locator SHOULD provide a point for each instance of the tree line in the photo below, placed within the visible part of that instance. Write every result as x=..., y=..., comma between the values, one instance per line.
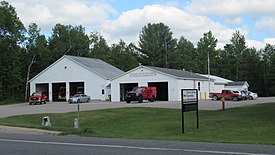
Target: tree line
x=25, y=51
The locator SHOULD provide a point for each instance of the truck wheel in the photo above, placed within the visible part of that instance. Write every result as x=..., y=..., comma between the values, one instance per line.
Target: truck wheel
x=30, y=103
x=128, y=101
x=235, y=98
x=152, y=99
x=250, y=97
x=45, y=102
x=78, y=101
x=140, y=99
x=215, y=98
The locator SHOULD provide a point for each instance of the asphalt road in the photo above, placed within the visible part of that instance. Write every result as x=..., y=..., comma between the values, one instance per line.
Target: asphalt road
x=23, y=144
x=62, y=107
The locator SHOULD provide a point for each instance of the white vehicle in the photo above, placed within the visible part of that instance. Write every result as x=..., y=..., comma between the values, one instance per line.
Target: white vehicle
x=78, y=98
x=241, y=93
x=252, y=95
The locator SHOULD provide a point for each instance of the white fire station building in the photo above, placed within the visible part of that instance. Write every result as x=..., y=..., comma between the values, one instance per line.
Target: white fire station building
x=71, y=74
x=169, y=82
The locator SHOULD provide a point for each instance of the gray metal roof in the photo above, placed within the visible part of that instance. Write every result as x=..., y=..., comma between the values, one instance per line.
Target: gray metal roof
x=178, y=73
x=100, y=67
x=238, y=83
x=216, y=79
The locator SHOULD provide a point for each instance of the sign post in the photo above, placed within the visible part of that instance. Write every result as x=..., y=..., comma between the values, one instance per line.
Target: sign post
x=78, y=115
x=189, y=102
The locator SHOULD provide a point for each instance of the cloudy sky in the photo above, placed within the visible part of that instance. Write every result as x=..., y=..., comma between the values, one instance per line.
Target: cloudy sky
x=124, y=19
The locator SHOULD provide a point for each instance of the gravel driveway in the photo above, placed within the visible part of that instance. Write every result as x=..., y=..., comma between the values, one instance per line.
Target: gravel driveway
x=62, y=107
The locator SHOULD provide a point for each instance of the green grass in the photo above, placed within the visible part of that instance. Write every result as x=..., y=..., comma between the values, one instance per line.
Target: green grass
x=252, y=125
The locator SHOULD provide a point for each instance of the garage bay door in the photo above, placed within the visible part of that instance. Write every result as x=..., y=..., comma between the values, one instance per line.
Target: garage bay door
x=162, y=90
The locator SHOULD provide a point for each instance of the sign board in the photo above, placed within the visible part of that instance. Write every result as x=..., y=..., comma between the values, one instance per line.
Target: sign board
x=189, y=102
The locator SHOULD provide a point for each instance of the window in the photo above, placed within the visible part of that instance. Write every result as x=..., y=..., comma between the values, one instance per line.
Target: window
x=199, y=86
x=102, y=92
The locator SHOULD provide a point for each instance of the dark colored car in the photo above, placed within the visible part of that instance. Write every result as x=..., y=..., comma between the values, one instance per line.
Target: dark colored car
x=38, y=97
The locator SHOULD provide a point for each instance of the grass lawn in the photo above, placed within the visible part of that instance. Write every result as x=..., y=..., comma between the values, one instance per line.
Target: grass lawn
x=253, y=125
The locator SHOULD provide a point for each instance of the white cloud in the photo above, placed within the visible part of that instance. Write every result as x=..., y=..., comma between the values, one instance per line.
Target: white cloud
x=48, y=13
x=129, y=24
x=232, y=8
x=270, y=41
x=94, y=16
x=267, y=23
x=253, y=43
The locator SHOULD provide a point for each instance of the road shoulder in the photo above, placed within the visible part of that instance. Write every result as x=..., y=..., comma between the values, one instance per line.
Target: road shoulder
x=10, y=129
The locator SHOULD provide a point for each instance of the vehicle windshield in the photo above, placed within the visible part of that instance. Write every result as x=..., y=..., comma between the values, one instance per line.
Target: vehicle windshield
x=138, y=89
x=237, y=92
x=36, y=94
x=76, y=95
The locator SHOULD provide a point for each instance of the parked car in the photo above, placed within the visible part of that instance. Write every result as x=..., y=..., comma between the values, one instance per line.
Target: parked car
x=78, y=98
x=37, y=97
x=242, y=93
x=227, y=94
x=252, y=95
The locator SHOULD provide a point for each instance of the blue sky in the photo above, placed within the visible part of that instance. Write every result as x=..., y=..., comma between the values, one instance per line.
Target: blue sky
x=124, y=19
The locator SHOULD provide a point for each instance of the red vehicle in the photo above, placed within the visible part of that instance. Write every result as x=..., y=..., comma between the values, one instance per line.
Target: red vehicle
x=141, y=93
x=227, y=94
x=62, y=93
x=38, y=97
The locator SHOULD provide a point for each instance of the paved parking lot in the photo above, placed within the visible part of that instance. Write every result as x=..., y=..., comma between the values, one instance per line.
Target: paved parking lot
x=62, y=107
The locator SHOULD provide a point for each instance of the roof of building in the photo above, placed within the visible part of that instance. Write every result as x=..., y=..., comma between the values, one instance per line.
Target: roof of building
x=178, y=73
x=102, y=68
x=238, y=83
x=96, y=66
x=217, y=80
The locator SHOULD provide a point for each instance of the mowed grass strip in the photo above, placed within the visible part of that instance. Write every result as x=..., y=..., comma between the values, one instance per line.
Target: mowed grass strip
x=253, y=125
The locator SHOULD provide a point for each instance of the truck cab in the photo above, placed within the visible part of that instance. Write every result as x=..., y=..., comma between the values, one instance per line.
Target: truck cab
x=141, y=93
x=38, y=97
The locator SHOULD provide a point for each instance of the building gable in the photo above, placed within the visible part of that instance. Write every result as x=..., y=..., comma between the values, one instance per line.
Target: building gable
x=96, y=66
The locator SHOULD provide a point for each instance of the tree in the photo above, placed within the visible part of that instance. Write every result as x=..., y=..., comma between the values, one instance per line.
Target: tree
x=68, y=40
x=235, y=51
x=36, y=51
x=98, y=47
x=207, y=44
x=185, y=56
x=156, y=44
x=11, y=35
x=122, y=56
x=268, y=61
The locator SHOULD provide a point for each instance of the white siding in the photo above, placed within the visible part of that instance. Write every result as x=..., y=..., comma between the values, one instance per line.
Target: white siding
x=218, y=88
x=244, y=87
x=142, y=76
x=193, y=84
x=68, y=71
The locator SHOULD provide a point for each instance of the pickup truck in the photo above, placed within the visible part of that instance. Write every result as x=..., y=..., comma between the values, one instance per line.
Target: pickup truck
x=141, y=93
x=227, y=94
x=37, y=97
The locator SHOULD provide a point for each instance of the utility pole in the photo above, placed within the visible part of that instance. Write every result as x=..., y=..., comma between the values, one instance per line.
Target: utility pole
x=165, y=52
x=208, y=64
